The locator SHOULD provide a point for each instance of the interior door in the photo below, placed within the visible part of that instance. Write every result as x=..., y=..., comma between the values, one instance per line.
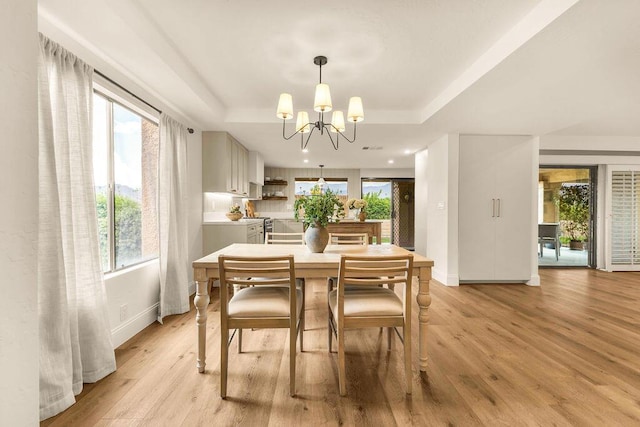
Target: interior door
x=476, y=207
x=514, y=175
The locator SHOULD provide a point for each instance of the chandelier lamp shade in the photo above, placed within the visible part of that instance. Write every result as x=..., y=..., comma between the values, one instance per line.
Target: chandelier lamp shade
x=322, y=104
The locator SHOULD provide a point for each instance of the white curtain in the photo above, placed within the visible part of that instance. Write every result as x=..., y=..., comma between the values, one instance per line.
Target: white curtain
x=75, y=338
x=172, y=218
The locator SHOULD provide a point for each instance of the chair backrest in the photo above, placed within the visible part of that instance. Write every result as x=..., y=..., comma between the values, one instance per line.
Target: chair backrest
x=370, y=271
x=242, y=271
x=548, y=230
x=374, y=270
x=284, y=238
x=349, y=239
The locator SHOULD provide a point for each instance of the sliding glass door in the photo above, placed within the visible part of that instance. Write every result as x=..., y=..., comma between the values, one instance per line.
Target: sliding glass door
x=566, y=212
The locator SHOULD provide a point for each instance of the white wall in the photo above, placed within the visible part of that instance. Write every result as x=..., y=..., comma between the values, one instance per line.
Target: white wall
x=19, y=373
x=437, y=181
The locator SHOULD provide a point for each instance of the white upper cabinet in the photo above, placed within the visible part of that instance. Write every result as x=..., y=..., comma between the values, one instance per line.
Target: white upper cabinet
x=256, y=168
x=224, y=164
x=495, y=208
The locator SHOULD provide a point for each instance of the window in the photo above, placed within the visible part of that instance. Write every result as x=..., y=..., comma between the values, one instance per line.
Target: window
x=337, y=185
x=125, y=161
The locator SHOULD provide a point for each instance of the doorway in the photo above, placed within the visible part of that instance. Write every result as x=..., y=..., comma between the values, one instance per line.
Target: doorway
x=393, y=202
x=566, y=212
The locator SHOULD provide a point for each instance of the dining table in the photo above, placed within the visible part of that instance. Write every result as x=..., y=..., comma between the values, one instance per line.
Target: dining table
x=308, y=264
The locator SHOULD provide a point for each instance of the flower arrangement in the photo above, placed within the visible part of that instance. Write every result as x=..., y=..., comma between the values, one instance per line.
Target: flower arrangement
x=235, y=208
x=359, y=204
x=319, y=208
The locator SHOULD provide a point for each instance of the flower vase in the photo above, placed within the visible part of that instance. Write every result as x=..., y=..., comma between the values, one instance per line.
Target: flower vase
x=317, y=238
x=362, y=216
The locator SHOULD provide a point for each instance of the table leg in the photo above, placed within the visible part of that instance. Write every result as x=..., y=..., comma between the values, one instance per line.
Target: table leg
x=201, y=301
x=424, y=301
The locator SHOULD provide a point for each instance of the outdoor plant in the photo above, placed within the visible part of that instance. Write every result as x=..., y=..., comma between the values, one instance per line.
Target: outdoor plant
x=573, y=206
x=378, y=207
x=319, y=207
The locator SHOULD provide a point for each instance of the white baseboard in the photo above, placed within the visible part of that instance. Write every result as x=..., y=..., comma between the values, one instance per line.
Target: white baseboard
x=534, y=281
x=445, y=279
x=132, y=326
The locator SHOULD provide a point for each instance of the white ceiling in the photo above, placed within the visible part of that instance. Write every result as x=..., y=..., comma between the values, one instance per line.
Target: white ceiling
x=422, y=67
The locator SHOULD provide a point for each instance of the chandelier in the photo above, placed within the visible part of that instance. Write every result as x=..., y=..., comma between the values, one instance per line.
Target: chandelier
x=322, y=104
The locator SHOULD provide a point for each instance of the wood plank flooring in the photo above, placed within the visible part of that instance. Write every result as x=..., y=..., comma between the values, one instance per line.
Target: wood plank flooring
x=566, y=353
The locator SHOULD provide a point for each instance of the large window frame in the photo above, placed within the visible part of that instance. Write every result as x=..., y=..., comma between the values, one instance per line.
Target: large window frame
x=116, y=97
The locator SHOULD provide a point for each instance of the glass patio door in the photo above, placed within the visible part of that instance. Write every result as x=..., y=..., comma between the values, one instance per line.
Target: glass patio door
x=566, y=203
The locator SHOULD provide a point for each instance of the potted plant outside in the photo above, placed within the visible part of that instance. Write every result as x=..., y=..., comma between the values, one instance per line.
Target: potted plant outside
x=573, y=207
x=319, y=208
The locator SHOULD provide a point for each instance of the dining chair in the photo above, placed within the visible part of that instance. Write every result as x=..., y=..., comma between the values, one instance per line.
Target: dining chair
x=272, y=238
x=271, y=302
x=284, y=238
x=372, y=306
x=349, y=239
x=345, y=239
x=549, y=233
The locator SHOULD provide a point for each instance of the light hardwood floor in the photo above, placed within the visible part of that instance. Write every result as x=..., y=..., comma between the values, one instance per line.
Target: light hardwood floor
x=565, y=353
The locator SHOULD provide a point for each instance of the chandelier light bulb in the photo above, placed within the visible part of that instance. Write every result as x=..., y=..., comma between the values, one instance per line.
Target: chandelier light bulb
x=322, y=103
x=285, y=106
x=355, y=112
x=302, y=122
x=337, y=122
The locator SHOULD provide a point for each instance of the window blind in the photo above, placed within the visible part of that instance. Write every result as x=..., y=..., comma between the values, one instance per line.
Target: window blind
x=625, y=219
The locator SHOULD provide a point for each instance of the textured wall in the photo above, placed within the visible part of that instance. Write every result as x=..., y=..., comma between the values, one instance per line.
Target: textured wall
x=18, y=214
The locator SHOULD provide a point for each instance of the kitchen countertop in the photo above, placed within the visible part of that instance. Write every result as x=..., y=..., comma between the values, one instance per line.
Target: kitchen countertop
x=243, y=221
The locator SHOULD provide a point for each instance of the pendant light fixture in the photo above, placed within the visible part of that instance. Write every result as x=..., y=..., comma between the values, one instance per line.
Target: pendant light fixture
x=322, y=104
x=321, y=181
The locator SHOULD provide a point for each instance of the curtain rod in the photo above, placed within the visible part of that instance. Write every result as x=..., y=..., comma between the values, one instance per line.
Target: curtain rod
x=190, y=130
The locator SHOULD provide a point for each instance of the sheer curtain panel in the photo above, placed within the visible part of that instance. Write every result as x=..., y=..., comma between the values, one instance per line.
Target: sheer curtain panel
x=172, y=218
x=75, y=338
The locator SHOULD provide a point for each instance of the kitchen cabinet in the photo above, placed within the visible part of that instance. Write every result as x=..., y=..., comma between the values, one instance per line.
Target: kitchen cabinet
x=496, y=209
x=217, y=235
x=256, y=168
x=224, y=164
x=287, y=226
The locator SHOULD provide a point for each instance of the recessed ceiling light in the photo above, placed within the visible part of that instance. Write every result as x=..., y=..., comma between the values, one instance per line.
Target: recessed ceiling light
x=407, y=151
x=306, y=150
x=390, y=161
x=306, y=160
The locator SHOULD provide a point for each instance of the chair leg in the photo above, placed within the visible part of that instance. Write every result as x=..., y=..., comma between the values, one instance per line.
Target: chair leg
x=292, y=360
x=389, y=334
x=342, y=375
x=239, y=341
x=330, y=335
x=406, y=331
x=224, y=360
x=302, y=317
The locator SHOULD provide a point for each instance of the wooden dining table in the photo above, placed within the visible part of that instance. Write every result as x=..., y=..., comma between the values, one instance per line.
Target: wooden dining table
x=309, y=265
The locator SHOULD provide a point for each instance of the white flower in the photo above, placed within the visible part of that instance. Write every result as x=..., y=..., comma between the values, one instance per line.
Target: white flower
x=356, y=204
